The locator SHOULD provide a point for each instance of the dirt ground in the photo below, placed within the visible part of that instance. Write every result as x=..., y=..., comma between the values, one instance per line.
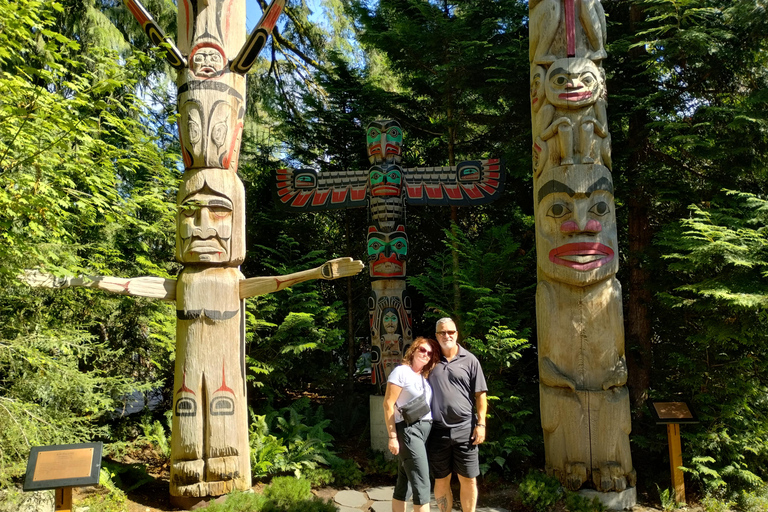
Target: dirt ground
x=153, y=496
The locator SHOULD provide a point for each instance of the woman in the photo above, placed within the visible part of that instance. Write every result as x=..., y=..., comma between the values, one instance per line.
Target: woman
x=408, y=441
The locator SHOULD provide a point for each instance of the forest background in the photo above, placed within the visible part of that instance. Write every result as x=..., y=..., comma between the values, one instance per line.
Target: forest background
x=89, y=167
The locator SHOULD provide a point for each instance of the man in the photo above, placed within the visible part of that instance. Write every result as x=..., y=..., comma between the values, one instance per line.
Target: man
x=458, y=387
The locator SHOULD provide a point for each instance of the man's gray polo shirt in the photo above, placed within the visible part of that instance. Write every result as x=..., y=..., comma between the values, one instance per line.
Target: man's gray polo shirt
x=454, y=384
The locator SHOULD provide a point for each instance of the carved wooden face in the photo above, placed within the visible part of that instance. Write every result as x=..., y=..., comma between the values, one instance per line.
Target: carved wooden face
x=385, y=140
x=211, y=124
x=538, y=74
x=210, y=221
x=385, y=180
x=576, y=236
x=573, y=83
x=387, y=253
x=207, y=60
x=389, y=322
x=205, y=228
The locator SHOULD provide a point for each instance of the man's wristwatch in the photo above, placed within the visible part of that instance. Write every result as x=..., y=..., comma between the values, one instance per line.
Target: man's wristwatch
x=480, y=425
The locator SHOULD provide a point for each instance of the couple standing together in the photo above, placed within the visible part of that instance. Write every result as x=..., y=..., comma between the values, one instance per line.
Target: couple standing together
x=446, y=438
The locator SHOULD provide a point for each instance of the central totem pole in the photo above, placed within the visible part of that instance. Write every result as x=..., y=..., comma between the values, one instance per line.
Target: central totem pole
x=585, y=412
x=385, y=189
x=210, y=453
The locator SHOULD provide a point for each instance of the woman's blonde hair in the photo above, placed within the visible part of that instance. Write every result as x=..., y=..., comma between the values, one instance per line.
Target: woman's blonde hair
x=432, y=344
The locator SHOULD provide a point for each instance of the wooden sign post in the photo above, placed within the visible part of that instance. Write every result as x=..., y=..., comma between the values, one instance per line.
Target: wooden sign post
x=673, y=414
x=62, y=467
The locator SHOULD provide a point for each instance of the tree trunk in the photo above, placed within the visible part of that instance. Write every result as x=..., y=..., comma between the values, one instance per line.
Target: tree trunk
x=638, y=319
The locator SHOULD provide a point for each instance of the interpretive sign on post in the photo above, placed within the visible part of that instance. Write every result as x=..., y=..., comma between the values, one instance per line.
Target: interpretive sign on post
x=672, y=414
x=62, y=467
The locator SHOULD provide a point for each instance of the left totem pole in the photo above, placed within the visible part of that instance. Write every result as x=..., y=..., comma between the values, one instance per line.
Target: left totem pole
x=210, y=451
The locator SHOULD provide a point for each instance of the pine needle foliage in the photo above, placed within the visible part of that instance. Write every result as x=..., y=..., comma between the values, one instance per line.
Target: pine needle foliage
x=718, y=257
x=84, y=188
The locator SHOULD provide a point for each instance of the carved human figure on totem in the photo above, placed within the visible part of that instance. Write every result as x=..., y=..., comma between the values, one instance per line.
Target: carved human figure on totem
x=582, y=366
x=385, y=193
x=540, y=122
x=210, y=229
x=554, y=33
x=211, y=123
x=391, y=340
x=391, y=326
x=575, y=118
x=385, y=141
x=387, y=253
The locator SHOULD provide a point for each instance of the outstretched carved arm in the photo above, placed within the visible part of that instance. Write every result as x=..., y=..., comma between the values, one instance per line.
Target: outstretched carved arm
x=333, y=269
x=152, y=287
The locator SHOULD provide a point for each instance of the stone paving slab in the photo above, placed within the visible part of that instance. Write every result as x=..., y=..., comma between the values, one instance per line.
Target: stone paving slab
x=349, y=509
x=352, y=499
x=380, y=493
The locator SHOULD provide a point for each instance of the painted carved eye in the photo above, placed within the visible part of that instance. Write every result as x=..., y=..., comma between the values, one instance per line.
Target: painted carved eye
x=399, y=245
x=219, y=133
x=376, y=177
x=600, y=208
x=560, y=80
x=535, y=86
x=375, y=246
x=394, y=133
x=220, y=211
x=558, y=210
x=394, y=176
x=587, y=79
x=374, y=134
x=194, y=131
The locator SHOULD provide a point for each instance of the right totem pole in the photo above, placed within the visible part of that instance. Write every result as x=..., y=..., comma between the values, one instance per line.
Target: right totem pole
x=584, y=400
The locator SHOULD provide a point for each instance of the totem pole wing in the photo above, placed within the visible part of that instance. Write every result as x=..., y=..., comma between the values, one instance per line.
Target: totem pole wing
x=468, y=183
x=258, y=38
x=307, y=190
x=172, y=54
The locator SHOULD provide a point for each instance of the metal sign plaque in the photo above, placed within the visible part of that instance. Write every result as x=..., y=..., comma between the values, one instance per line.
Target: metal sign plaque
x=665, y=412
x=64, y=465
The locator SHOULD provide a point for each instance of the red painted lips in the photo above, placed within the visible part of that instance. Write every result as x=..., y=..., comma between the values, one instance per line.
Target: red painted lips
x=575, y=96
x=582, y=255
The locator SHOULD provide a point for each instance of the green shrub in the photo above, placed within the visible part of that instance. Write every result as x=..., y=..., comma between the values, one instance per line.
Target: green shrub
x=346, y=472
x=379, y=465
x=281, y=441
x=124, y=476
x=240, y=502
x=157, y=435
x=539, y=491
x=319, y=477
x=314, y=504
x=107, y=498
x=667, y=499
x=714, y=503
x=577, y=503
x=753, y=501
x=287, y=490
